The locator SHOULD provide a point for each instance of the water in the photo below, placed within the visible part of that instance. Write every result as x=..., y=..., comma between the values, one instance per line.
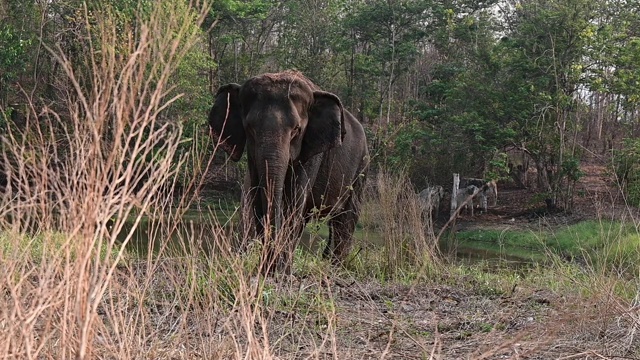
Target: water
x=493, y=260
x=198, y=231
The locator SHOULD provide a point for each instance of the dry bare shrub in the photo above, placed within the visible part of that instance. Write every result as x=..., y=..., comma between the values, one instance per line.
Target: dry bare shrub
x=87, y=180
x=406, y=231
x=75, y=177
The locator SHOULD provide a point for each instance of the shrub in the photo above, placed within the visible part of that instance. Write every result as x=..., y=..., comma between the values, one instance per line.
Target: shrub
x=626, y=166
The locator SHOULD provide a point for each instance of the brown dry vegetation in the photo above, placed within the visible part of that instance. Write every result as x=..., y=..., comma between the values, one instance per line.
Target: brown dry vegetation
x=69, y=288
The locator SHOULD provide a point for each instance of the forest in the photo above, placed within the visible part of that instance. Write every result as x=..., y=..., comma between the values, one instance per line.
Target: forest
x=441, y=87
x=122, y=226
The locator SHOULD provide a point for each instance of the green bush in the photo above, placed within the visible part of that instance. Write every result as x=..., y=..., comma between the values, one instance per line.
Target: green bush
x=626, y=163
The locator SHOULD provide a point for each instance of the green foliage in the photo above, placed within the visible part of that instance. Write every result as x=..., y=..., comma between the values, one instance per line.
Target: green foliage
x=193, y=102
x=498, y=167
x=543, y=64
x=14, y=58
x=379, y=41
x=5, y=116
x=441, y=86
x=33, y=248
x=307, y=43
x=627, y=73
x=616, y=49
x=605, y=245
x=237, y=41
x=626, y=166
x=400, y=144
x=257, y=9
x=12, y=52
x=570, y=169
x=465, y=102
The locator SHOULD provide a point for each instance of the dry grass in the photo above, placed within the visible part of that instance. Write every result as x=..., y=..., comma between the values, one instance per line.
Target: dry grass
x=69, y=288
x=406, y=233
x=75, y=178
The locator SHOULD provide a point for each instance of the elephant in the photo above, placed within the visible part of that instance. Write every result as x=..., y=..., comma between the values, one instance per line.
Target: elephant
x=306, y=155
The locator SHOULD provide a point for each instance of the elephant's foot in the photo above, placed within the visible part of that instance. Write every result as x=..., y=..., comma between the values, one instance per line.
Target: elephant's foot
x=341, y=230
x=272, y=268
x=276, y=261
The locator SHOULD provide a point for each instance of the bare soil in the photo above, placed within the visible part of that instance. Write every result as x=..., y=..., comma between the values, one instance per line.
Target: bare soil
x=455, y=318
x=467, y=321
x=463, y=318
x=597, y=196
x=451, y=316
x=445, y=318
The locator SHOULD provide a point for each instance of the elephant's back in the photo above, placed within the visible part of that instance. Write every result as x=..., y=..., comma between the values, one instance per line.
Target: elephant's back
x=354, y=146
x=341, y=169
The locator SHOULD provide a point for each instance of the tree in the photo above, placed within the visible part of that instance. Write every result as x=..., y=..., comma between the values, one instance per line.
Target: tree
x=241, y=40
x=17, y=47
x=459, y=101
x=545, y=53
x=382, y=39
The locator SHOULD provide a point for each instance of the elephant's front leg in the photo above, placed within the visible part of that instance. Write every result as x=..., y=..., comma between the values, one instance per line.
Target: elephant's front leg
x=249, y=225
x=290, y=240
x=296, y=196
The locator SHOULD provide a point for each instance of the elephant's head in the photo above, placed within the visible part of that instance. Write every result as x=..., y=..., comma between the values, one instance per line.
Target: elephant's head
x=280, y=119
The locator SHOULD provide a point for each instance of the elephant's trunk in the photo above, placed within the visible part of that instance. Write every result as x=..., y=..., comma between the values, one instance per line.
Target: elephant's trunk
x=272, y=172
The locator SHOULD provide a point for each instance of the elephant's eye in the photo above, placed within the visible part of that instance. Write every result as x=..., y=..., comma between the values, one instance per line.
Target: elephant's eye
x=295, y=131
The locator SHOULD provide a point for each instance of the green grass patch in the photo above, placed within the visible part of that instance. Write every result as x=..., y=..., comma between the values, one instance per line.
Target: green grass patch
x=36, y=247
x=602, y=244
x=524, y=245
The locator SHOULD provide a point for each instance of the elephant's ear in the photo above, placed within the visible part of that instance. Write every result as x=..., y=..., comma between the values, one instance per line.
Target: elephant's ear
x=325, y=129
x=225, y=121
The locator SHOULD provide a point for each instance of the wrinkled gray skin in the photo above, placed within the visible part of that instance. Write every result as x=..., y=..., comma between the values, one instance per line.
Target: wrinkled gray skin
x=306, y=156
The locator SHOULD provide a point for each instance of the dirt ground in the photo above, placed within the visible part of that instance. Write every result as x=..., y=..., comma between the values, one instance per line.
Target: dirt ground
x=597, y=196
x=463, y=315
x=447, y=315
x=457, y=318
x=469, y=319
x=455, y=322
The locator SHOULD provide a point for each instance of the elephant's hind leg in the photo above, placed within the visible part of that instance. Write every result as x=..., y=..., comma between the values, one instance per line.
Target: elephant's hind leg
x=341, y=228
x=343, y=225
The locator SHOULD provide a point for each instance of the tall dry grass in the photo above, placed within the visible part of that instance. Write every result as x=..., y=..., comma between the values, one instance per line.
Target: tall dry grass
x=86, y=177
x=75, y=177
x=404, y=229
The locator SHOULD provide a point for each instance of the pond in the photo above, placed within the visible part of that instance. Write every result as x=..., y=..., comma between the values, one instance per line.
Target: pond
x=200, y=229
x=466, y=253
